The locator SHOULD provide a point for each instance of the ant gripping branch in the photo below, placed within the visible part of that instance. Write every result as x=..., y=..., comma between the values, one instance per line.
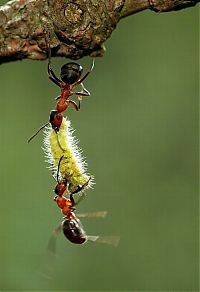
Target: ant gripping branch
x=70, y=78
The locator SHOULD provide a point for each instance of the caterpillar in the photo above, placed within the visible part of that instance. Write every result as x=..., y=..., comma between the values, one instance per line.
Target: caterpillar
x=62, y=152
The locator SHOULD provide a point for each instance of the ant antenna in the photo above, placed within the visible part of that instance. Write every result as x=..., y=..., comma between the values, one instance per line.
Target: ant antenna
x=33, y=136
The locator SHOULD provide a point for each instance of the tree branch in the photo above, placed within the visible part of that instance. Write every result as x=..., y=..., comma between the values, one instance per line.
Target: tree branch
x=134, y=6
x=75, y=28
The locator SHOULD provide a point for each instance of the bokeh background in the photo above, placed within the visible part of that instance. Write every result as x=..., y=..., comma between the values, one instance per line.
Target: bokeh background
x=139, y=131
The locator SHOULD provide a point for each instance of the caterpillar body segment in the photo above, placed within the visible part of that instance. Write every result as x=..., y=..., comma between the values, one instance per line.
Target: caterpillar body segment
x=62, y=153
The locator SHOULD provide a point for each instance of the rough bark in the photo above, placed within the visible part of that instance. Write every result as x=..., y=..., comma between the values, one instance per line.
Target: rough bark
x=75, y=28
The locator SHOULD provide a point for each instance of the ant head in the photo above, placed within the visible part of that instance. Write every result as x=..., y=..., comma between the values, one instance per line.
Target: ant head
x=71, y=72
x=60, y=188
x=74, y=231
x=55, y=119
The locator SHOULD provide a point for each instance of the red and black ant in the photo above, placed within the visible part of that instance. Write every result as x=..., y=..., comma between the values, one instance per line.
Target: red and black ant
x=71, y=225
x=70, y=78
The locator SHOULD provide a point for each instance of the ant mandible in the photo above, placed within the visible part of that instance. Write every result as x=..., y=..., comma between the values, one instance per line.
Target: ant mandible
x=70, y=77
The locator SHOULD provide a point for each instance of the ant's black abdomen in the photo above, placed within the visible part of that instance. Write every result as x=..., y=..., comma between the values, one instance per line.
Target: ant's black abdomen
x=71, y=72
x=74, y=231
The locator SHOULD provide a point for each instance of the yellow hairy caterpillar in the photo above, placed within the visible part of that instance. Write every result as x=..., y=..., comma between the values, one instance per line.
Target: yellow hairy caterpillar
x=63, y=154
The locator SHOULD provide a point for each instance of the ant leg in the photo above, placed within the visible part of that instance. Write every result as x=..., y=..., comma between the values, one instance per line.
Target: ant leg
x=83, y=195
x=84, y=92
x=86, y=75
x=58, y=97
x=76, y=106
x=80, y=188
x=52, y=75
x=55, y=81
x=84, y=89
x=72, y=200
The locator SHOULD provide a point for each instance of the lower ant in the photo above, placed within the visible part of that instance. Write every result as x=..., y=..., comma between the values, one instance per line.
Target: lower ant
x=71, y=225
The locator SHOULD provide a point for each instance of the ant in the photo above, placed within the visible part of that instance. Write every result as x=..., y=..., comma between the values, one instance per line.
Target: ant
x=70, y=78
x=70, y=75
x=71, y=225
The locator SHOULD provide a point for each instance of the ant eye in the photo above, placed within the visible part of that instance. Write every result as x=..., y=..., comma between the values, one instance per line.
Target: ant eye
x=71, y=72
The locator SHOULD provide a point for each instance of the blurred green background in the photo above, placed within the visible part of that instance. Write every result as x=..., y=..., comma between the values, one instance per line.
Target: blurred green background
x=139, y=131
